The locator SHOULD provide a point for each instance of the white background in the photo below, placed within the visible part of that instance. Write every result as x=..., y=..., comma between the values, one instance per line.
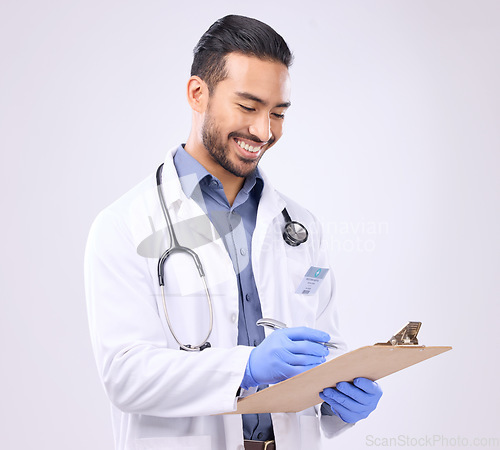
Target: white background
x=393, y=141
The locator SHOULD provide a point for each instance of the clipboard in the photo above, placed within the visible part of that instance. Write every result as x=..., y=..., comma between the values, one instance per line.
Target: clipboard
x=374, y=362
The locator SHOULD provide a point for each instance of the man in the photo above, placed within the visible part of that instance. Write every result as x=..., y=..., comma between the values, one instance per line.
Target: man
x=163, y=394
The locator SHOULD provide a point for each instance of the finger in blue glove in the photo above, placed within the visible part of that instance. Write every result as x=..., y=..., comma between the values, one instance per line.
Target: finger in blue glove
x=353, y=401
x=284, y=354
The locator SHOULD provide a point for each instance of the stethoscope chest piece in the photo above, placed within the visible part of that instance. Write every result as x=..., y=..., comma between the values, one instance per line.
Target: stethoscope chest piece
x=294, y=232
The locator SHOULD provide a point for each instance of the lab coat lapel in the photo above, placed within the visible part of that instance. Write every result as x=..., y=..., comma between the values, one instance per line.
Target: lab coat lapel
x=270, y=206
x=267, y=247
x=191, y=224
x=194, y=225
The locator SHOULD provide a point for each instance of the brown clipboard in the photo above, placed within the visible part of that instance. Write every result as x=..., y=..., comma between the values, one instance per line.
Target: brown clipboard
x=302, y=391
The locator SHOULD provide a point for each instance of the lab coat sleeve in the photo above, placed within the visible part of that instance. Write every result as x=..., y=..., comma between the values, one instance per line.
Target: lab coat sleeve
x=139, y=373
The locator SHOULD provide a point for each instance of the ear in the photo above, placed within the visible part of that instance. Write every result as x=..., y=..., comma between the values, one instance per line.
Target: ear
x=197, y=94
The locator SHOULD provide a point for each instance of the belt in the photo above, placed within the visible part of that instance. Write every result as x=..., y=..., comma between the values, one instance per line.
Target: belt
x=260, y=445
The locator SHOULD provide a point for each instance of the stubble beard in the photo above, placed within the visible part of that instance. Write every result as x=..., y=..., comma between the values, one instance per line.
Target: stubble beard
x=212, y=140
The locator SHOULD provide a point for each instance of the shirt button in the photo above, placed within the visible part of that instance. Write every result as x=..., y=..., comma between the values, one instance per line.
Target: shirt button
x=214, y=184
x=243, y=251
x=255, y=343
x=248, y=297
x=260, y=436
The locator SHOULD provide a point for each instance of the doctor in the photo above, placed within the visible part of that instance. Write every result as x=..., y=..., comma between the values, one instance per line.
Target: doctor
x=226, y=210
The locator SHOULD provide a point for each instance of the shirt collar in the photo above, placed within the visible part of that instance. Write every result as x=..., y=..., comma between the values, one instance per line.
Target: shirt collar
x=191, y=174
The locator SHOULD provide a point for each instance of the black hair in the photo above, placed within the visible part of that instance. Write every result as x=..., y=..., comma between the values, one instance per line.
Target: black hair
x=236, y=34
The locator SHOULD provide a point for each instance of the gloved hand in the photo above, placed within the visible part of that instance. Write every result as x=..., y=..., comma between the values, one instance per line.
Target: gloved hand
x=284, y=354
x=353, y=401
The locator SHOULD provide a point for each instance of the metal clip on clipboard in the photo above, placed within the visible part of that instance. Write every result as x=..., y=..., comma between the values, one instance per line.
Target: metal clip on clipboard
x=406, y=336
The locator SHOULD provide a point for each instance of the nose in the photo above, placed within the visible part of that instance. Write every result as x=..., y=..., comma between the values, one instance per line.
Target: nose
x=261, y=127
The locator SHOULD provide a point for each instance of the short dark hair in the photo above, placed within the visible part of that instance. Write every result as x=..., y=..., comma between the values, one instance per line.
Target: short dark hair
x=236, y=34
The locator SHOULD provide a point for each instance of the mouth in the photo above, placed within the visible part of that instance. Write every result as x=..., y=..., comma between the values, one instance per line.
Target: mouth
x=248, y=147
x=249, y=150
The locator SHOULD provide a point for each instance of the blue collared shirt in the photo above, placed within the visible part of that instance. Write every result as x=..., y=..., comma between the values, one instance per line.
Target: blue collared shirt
x=235, y=224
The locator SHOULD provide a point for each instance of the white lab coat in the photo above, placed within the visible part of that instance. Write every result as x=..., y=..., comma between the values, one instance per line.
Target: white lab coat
x=164, y=398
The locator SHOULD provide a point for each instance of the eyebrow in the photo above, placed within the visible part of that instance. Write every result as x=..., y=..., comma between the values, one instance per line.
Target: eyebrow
x=253, y=98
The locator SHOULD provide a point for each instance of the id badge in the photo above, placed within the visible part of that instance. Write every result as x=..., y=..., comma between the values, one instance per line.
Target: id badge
x=312, y=280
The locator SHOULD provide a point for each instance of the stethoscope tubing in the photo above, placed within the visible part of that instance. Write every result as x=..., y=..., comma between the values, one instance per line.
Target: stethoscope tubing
x=294, y=234
x=175, y=247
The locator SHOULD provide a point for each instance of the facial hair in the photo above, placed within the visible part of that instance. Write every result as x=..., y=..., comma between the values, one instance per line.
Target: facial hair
x=212, y=140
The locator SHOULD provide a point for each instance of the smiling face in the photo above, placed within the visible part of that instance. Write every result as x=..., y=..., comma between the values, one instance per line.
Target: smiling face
x=245, y=113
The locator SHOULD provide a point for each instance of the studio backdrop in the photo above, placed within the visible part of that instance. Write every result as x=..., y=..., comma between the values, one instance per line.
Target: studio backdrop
x=392, y=141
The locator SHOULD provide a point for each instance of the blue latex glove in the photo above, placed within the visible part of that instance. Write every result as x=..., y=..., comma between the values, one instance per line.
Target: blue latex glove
x=284, y=354
x=353, y=401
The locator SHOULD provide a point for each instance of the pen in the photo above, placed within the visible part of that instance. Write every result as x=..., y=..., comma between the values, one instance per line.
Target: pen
x=277, y=325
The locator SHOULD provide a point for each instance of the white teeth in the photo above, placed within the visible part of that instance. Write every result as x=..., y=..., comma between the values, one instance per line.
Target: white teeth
x=248, y=147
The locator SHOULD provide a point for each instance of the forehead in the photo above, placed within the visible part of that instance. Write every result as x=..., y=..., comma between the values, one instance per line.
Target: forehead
x=268, y=80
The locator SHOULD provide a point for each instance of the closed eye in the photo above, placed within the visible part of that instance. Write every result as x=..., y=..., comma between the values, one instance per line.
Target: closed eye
x=279, y=116
x=246, y=108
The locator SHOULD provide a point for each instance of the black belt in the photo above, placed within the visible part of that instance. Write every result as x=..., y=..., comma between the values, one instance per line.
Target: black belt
x=260, y=445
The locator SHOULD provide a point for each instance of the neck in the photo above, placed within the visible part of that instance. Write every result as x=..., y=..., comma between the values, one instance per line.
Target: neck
x=230, y=182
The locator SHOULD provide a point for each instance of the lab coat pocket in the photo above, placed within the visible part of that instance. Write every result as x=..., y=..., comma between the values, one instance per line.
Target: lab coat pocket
x=174, y=443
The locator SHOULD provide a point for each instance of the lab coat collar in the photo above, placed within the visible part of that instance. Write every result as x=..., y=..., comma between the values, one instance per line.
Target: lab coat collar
x=270, y=206
x=271, y=203
x=172, y=189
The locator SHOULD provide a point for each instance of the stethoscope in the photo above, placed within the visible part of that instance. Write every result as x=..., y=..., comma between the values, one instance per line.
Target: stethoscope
x=294, y=234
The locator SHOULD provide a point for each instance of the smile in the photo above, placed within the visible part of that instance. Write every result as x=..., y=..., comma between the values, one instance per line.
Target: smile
x=248, y=147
